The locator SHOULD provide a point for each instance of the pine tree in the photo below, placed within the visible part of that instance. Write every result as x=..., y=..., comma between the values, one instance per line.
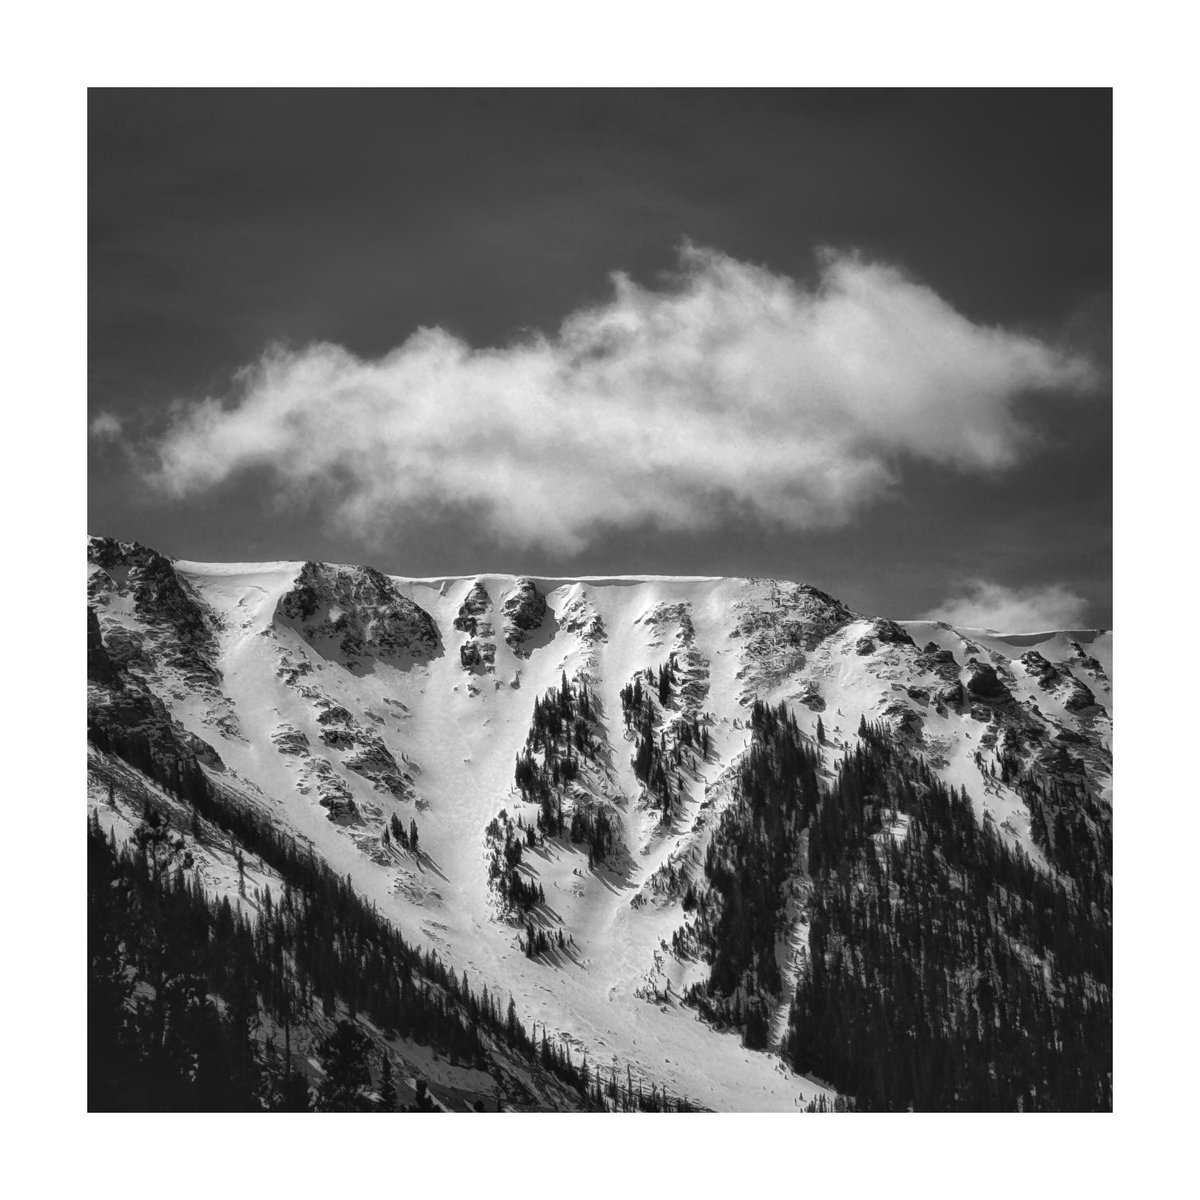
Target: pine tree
x=387, y=1088
x=343, y=1056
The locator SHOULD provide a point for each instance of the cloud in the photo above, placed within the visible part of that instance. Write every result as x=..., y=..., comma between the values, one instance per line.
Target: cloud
x=105, y=427
x=984, y=605
x=728, y=389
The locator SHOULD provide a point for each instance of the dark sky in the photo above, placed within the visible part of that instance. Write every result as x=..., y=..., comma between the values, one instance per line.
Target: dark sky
x=223, y=221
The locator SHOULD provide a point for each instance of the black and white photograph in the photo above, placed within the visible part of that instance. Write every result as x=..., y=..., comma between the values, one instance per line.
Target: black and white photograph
x=600, y=600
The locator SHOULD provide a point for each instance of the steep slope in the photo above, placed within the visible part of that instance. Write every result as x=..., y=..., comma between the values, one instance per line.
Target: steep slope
x=379, y=720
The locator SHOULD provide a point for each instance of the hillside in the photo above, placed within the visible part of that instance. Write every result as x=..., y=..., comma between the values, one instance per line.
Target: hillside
x=549, y=783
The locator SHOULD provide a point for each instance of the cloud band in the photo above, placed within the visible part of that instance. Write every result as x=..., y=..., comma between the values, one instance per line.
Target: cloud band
x=727, y=388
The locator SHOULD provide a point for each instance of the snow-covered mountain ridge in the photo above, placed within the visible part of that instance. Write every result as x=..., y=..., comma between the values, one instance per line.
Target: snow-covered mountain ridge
x=343, y=704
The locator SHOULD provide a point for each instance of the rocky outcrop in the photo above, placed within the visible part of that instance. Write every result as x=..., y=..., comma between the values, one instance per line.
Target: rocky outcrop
x=1087, y=662
x=99, y=667
x=375, y=762
x=781, y=624
x=902, y=721
x=178, y=632
x=318, y=776
x=160, y=596
x=287, y=739
x=983, y=684
x=678, y=614
x=1037, y=665
x=478, y=652
x=364, y=750
x=951, y=694
x=156, y=626
x=864, y=646
x=339, y=737
x=201, y=750
x=1075, y=695
x=1057, y=678
x=358, y=610
x=125, y=718
x=524, y=609
x=581, y=619
x=937, y=661
x=889, y=633
x=477, y=603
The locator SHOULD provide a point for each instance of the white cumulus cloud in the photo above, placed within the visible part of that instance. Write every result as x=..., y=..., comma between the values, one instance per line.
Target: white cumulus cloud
x=1038, y=609
x=728, y=389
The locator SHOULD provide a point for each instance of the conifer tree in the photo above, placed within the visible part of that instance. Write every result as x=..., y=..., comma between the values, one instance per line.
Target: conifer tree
x=387, y=1088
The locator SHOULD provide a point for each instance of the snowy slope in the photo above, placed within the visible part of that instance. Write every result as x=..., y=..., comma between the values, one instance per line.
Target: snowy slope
x=333, y=705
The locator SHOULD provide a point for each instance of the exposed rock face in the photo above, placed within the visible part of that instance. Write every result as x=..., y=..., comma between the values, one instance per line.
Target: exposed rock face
x=581, y=618
x=332, y=793
x=1078, y=695
x=864, y=646
x=524, y=610
x=201, y=750
x=781, y=624
x=1039, y=667
x=478, y=652
x=679, y=614
x=125, y=716
x=1057, y=678
x=938, y=662
x=982, y=683
x=477, y=603
x=1087, y=662
x=365, y=752
x=174, y=638
x=99, y=667
x=952, y=694
x=160, y=596
x=375, y=762
x=358, y=608
x=287, y=739
x=180, y=626
x=890, y=633
x=902, y=721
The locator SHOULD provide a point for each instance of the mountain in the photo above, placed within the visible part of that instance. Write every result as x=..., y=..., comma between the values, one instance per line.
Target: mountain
x=628, y=804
